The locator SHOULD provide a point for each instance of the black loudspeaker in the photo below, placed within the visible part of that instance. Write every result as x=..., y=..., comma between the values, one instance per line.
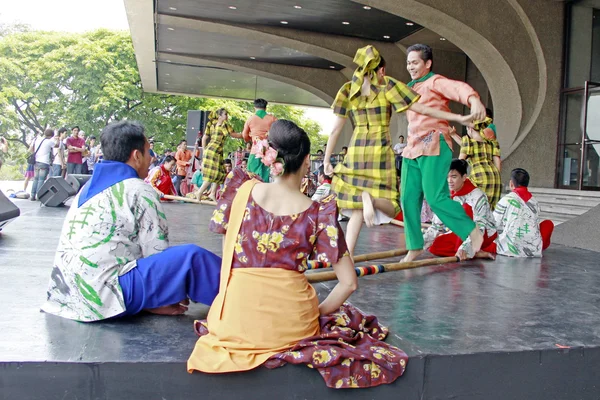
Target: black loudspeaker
x=8, y=210
x=77, y=180
x=196, y=122
x=55, y=191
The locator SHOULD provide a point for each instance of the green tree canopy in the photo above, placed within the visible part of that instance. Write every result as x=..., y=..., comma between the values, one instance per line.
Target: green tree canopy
x=53, y=79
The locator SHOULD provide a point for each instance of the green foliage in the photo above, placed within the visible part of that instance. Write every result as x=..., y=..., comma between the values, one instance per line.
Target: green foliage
x=11, y=172
x=52, y=79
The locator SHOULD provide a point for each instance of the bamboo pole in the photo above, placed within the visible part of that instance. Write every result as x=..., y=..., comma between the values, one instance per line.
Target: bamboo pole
x=190, y=200
x=401, y=224
x=363, y=257
x=378, y=269
x=380, y=255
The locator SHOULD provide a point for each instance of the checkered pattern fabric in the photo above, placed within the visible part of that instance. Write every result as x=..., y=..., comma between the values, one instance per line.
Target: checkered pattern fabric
x=484, y=173
x=369, y=164
x=367, y=58
x=213, y=169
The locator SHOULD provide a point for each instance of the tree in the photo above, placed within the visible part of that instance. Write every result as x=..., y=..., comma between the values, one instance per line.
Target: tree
x=52, y=79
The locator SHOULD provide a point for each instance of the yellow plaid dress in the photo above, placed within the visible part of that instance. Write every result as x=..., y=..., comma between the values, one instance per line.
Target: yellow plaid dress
x=369, y=164
x=213, y=169
x=484, y=173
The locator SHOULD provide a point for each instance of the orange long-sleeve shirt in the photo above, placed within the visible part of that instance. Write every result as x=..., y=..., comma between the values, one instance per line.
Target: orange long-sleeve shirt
x=182, y=158
x=423, y=131
x=256, y=127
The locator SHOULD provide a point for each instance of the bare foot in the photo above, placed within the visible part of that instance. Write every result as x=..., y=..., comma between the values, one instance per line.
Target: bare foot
x=485, y=255
x=476, y=239
x=173, y=309
x=411, y=255
x=368, y=210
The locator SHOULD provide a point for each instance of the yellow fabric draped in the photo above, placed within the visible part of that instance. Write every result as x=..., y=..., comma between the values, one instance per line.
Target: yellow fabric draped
x=258, y=312
x=367, y=58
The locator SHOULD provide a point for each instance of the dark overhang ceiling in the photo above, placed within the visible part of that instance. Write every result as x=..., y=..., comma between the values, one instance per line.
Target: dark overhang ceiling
x=241, y=49
x=324, y=16
x=209, y=44
x=224, y=83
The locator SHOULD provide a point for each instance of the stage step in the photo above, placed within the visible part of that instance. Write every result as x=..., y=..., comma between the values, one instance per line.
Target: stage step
x=560, y=205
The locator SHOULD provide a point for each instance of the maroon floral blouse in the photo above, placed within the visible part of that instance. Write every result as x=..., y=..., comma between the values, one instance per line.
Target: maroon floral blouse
x=272, y=241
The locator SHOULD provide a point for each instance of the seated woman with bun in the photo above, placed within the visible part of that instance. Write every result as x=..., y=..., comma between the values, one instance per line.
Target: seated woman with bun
x=266, y=312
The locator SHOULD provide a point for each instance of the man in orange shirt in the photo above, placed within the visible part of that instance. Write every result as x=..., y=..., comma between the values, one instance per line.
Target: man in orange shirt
x=256, y=129
x=428, y=153
x=183, y=157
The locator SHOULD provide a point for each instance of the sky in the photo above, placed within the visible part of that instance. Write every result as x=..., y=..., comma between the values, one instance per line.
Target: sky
x=87, y=15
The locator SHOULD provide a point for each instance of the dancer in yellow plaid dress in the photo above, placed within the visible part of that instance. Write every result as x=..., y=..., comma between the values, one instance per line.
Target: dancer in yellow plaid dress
x=484, y=157
x=213, y=167
x=365, y=182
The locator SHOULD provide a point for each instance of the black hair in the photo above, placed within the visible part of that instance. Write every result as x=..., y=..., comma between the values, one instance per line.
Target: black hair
x=221, y=111
x=519, y=177
x=381, y=64
x=75, y=127
x=489, y=113
x=401, y=136
x=260, y=103
x=120, y=139
x=345, y=148
x=92, y=138
x=426, y=52
x=183, y=141
x=227, y=161
x=460, y=166
x=291, y=142
x=319, y=151
x=322, y=172
x=61, y=130
x=168, y=159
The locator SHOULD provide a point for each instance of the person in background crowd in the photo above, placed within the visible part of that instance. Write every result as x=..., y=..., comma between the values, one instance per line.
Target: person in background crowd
x=228, y=166
x=183, y=157
x=59, y=164
x=154, y=158
x=92, y=158
x=42, y=148
x=75, y=148
x=324, y=186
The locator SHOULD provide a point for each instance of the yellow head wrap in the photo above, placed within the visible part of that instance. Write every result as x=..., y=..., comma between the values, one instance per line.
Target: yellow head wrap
x=367, y=59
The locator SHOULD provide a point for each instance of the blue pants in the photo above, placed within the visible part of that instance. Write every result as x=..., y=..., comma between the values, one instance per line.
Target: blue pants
x=166, y=278
x=41, y=173
x=56, y=170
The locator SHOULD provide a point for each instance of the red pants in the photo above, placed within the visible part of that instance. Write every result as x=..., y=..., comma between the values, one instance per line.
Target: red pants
x=447, y=245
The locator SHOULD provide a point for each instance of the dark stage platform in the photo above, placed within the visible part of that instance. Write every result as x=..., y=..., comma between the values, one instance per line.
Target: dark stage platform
x=508, y=329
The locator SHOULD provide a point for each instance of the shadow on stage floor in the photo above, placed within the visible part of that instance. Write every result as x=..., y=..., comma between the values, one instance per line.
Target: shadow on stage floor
x=504, y=329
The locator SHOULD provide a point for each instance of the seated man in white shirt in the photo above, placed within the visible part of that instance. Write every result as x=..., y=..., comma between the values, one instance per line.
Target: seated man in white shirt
x=113, y=257
x=442, y=243
x=517, y=215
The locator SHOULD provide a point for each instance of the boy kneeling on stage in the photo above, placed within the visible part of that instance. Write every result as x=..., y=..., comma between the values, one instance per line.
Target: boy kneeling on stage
x=477, y=207
x=520, y=234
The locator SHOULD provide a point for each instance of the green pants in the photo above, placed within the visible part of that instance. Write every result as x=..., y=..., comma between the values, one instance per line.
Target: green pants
x=256, y=166
x=427, y=175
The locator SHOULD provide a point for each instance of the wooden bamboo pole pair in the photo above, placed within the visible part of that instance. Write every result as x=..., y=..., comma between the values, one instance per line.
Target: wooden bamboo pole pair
x=190, y=200
x=378, y=269
x=401, y=224
x=312, y=264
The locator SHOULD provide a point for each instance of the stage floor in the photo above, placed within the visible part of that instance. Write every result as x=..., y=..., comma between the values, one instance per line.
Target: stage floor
x=478, y=307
